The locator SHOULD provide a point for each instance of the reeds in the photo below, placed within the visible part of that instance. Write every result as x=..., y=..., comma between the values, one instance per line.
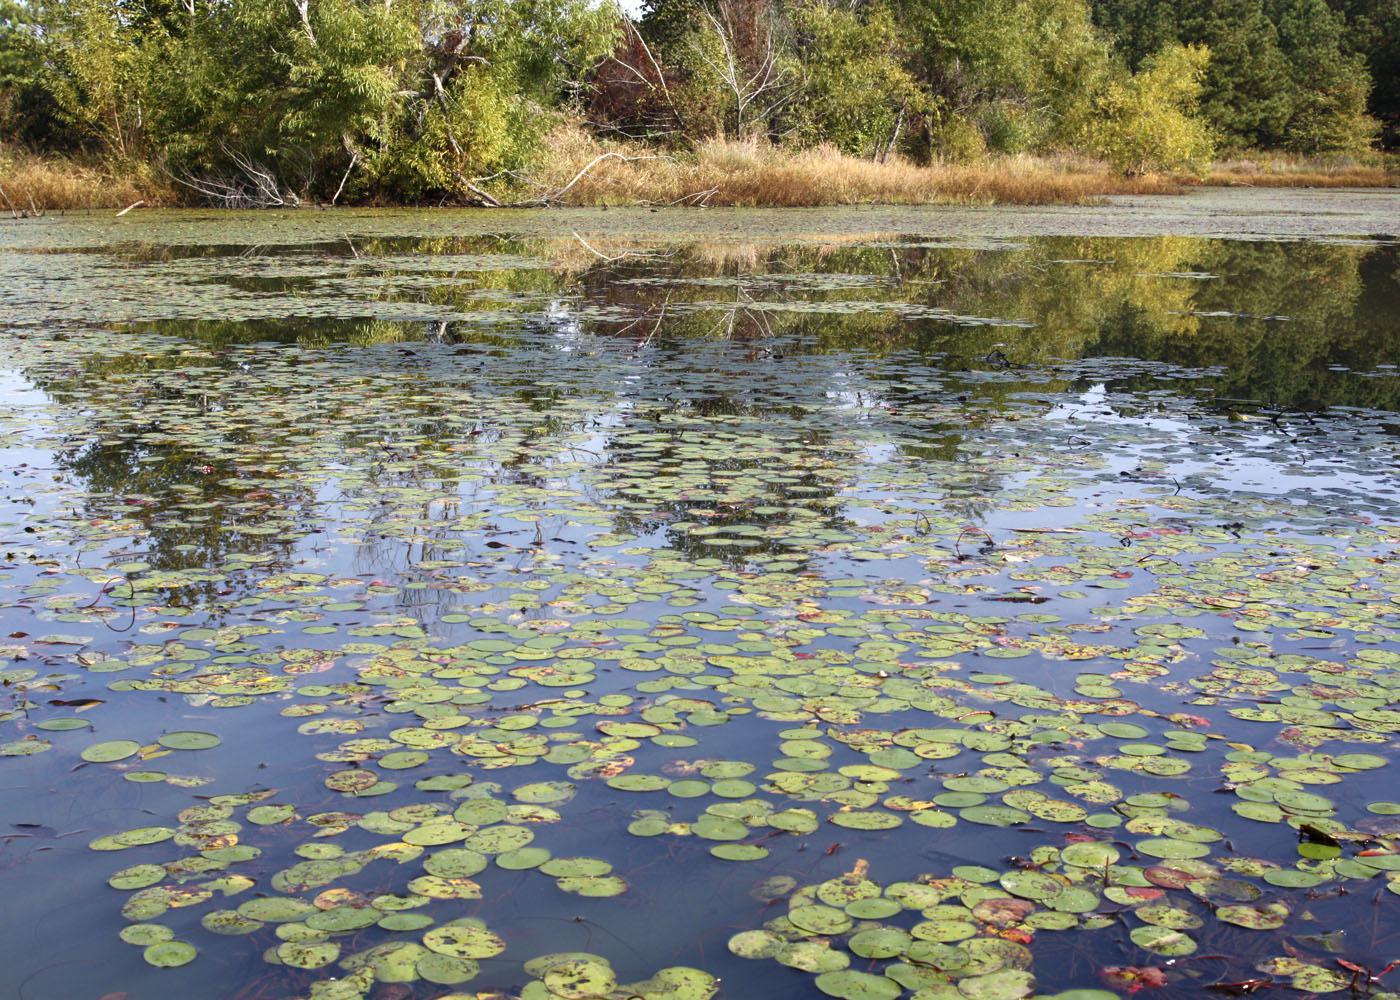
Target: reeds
x=32, y=184
x=1281, y=170
x=756, y=174
x=740, y=174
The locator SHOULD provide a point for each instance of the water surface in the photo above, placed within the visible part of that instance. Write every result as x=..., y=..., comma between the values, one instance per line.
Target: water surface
x=867, y=614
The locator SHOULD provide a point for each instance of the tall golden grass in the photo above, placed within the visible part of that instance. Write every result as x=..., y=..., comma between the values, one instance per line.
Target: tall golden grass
x=754, y=174
x=34, y=184
x=738, y=174
x=1282, y=170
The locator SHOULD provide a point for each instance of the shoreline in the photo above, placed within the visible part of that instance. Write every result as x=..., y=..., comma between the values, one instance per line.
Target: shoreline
x=1220, y=212
x=736, y=175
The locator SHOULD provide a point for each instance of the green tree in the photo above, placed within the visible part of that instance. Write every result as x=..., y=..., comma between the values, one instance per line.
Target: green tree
x=1019, y=72
x=1148, y=121
x=1248, y=93
x=27, y=111
x=1330, y=84
x=853, y=91
x=98, y=60
x=1283, y=73
x=1373, y=32
x=267, y=101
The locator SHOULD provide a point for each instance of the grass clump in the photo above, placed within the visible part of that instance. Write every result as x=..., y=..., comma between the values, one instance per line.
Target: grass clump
x=754, y=173
x=1284, y=170
x=32, y=184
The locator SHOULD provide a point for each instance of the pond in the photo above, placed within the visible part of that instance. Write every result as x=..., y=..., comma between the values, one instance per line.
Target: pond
x=870, y=605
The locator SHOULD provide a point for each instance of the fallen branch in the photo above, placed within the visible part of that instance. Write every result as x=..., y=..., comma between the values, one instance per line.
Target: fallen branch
x=489, y=201
x=695, y=199
x=33, y=213
x=251, y=186
x=134, y=204
x=354, y=161
x=553, y=196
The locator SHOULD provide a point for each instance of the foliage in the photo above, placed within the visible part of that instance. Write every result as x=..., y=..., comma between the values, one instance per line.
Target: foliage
x=97, y=64
x=1330, y=85
x=1147, y=122
x=1022, y=72
x=27, y=109
x=273, y=102
x=1283, y=73
x=1373, y=31
x=294, y=99
x=854, y=93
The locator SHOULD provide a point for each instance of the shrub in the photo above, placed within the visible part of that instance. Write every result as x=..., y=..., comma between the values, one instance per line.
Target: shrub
x=854, y=93
x=1149, y=121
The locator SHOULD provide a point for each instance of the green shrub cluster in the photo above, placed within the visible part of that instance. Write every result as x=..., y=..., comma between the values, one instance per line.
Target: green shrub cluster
x=274, y=101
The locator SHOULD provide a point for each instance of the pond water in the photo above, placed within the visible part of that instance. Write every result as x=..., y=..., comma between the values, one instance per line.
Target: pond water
x=411, y=612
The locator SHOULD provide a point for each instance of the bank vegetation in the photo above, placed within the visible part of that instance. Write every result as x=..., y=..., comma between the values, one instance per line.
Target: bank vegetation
x=283, y=103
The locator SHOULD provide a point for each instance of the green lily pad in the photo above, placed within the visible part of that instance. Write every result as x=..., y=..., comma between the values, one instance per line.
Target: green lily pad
x=522, y=858
x=580, y=979
x=463, y=941
x=849, y=984
x=755, y=944
x=820, y=919
x=308, y=954
x=885, y=942
x=189, y=740
x=110, y=751
x=1163, y=941
x=170, y=954
x=1264, y=916
x=1005, y=984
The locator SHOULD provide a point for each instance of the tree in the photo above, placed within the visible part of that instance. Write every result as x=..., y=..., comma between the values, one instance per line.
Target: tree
x=853, y=90
x=1281, y=72
x=1019, y=72
x=1373, y=32
x=27, y=109
x=1330, y=84
x=269, y=101
x=632, y=93
x=97, y=64
x=1147, y=121
x=1248, y=93
x=736, y=79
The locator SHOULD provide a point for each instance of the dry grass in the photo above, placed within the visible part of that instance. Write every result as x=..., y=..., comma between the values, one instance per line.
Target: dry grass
x=745, y=174
x=36, y=184
x=750, y=174
x=1279, y=170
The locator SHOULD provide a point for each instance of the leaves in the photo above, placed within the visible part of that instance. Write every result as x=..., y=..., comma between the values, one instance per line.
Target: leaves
x=672, y=629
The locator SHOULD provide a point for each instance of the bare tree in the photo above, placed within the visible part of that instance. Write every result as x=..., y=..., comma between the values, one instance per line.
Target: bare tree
x=630, y=92
x=745, y=55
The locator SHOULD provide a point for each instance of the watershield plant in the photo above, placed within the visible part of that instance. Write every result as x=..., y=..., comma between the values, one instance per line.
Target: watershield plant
x=774, y=627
